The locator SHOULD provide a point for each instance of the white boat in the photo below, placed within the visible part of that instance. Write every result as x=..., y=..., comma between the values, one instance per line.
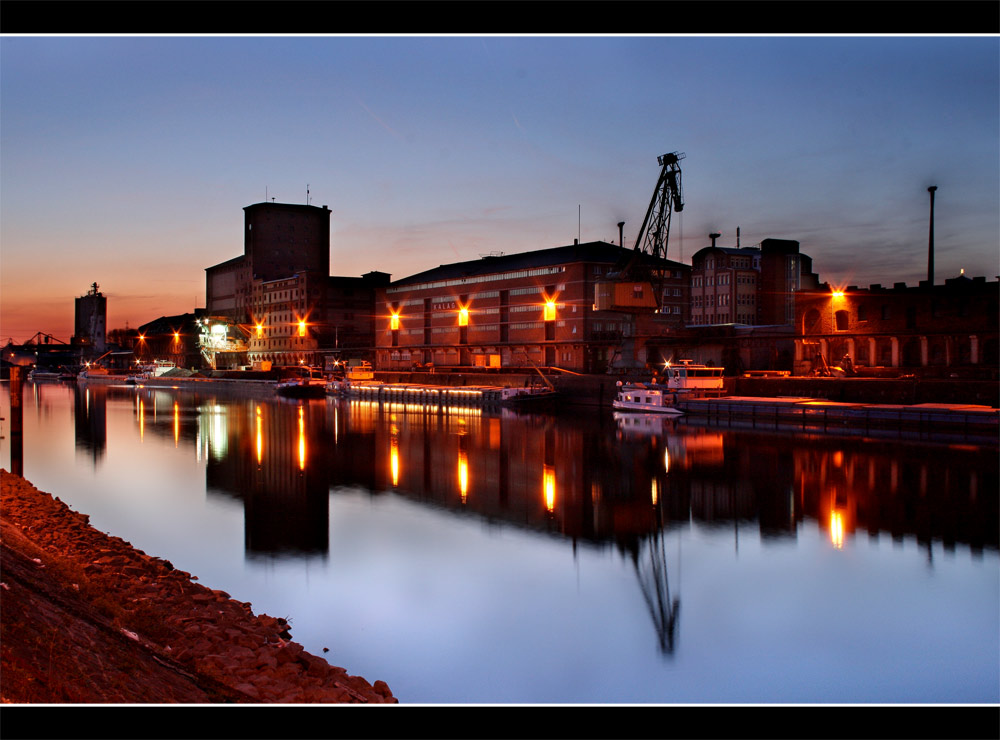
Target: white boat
x=684, y=380
x=646, y=398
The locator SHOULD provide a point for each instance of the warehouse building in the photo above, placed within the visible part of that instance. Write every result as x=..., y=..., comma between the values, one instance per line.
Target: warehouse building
x=529, y=309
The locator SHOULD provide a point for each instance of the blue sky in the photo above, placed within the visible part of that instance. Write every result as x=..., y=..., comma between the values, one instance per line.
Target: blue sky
x=127, y=161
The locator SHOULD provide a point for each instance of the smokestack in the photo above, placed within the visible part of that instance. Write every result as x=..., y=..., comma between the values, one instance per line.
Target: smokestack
x=930, y=241
x=621, y=240
x=713, y=237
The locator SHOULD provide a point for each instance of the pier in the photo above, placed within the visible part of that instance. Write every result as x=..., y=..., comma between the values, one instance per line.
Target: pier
x=969, y=420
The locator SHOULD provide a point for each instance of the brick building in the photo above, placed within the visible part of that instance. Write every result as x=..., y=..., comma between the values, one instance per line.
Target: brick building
x=533, y=308
x=749, y=285
x=949, y=329
x=281, y=293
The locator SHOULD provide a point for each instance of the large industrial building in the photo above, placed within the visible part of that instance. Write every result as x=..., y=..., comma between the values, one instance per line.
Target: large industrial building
x=91, y=321
x=281, y=293
x=529, y=309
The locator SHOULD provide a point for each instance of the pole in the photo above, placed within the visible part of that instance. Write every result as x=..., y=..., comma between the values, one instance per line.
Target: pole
x=16, y=420
x=930, y=241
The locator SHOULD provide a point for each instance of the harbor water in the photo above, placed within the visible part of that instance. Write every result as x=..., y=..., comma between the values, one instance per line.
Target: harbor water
x=497, y=556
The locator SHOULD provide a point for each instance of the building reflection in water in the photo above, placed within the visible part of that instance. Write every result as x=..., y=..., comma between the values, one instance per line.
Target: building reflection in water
x=625, y=481
x=90, y=420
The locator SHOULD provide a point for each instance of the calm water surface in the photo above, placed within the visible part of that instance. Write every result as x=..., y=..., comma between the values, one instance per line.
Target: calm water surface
x=496, y=557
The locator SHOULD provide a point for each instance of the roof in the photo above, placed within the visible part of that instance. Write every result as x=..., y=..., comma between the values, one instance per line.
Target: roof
x=588, y=252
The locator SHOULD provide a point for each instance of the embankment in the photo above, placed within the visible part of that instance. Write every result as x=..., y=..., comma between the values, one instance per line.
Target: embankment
x=87, y=618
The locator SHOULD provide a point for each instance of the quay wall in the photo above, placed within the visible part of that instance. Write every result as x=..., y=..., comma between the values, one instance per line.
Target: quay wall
x=871, y=390
x=599, y=390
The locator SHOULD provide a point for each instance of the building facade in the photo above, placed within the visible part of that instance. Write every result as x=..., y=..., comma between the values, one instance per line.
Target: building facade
x=521, y=310
x=280, y=291
x=749, y=285
x=947, y=329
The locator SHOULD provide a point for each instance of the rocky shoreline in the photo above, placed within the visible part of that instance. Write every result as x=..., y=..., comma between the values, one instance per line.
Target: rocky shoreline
x=89, y=619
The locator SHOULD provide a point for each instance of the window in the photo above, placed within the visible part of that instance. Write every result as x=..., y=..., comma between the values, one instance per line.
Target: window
x=841, y=317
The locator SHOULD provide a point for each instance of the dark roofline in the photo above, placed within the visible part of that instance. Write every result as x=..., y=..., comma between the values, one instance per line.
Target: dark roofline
x=287, y=206
x=598, y=251
x=227, y=263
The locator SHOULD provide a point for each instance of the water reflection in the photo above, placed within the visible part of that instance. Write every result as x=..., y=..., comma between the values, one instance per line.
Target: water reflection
x=626, y=482
x=588, y=478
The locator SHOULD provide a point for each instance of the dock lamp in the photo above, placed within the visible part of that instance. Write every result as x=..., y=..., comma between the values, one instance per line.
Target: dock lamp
x=463, y=316
x=550, y=310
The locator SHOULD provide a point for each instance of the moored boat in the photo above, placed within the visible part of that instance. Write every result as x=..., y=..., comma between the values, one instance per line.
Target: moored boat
x=684, y=380
x=646, y=398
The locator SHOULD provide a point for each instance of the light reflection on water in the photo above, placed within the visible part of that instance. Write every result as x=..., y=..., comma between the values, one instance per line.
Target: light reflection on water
x=479, y=556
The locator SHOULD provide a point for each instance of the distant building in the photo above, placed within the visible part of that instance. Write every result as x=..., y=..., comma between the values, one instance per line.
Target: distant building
x=941, y=329
x=91, y=325
x=749, y=285
x=519, y=310
x=281, y=293
x=173, y=338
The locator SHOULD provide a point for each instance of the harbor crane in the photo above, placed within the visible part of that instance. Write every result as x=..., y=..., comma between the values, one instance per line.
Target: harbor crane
x=636, y=286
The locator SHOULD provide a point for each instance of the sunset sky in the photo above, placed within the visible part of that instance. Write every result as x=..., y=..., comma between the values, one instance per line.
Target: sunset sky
x=127, y=161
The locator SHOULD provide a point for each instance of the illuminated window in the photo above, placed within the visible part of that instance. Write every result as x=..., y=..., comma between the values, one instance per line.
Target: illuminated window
x=260, y=331
x=550, y=311
x=302, y=328
x=463, y=316
x=394, y=322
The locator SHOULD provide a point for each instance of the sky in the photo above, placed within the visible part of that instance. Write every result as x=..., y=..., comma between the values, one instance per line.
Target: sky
x=127, y=161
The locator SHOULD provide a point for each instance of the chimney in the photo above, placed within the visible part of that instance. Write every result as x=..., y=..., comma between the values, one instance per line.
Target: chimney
x=621, y=241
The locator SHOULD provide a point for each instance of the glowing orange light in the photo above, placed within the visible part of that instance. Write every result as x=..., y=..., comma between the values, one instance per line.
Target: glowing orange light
x=302, y=327
x=260, y=331
x=394, y=322
x=302, y=441
x=837, y=529
x=394, y=460
x=550, y=311
x=463, y=474
x=463, y=316
x=177, y=423
x=654, y=492
x=260, y=437
x=549, y=487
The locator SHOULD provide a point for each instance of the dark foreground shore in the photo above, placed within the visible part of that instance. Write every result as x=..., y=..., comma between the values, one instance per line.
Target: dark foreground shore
x=89, y=619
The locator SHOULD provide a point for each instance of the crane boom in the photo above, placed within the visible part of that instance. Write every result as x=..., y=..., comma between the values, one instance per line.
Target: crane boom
x=667, y=198
x=644, y=293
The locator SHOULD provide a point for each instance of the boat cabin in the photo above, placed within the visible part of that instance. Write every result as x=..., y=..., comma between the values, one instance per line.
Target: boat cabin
x=688, y=376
